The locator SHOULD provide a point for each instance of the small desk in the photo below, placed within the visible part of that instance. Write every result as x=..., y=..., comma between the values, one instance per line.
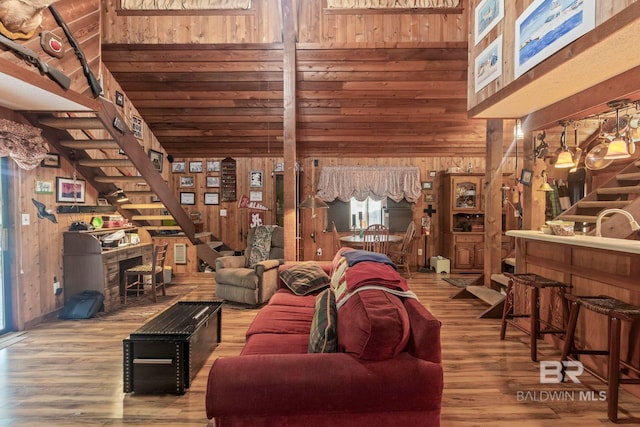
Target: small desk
x=357, y=240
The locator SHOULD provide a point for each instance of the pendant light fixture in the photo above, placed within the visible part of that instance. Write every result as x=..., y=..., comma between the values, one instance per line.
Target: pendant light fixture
x=565, y=158
x=618, y=148
x=545, y=185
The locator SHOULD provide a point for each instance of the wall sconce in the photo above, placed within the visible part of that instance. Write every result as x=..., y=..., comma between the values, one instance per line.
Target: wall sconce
x=545, y=185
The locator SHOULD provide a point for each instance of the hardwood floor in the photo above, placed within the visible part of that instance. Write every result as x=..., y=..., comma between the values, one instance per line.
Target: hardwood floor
x=69, y=373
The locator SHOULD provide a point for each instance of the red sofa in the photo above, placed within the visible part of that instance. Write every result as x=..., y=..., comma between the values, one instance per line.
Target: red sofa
x=276, y=382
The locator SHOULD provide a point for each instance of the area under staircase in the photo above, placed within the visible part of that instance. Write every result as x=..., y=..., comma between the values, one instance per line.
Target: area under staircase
x=74, y=138
x=620, y=192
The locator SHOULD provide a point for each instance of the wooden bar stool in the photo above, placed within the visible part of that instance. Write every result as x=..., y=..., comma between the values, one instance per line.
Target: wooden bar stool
x=538, y=326
x=617, y=311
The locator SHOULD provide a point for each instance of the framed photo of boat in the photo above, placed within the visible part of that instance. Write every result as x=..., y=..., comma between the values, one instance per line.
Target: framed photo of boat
x=487, y=15
x=488, y=64
x=547, y=26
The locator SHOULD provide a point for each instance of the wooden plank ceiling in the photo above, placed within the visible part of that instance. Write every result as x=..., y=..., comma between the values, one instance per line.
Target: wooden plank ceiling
x=227, y=100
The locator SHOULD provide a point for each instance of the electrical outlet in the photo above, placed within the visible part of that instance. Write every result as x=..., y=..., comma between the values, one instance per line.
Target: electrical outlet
x=319, y=251
x=419, y=252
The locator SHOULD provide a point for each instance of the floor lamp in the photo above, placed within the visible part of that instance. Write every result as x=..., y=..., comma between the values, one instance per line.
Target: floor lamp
x=429, y=211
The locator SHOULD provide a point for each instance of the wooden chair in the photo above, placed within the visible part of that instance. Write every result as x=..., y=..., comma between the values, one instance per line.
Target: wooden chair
x=376, y=239
x=401, y=256
x=143, y=271
x=336, y=238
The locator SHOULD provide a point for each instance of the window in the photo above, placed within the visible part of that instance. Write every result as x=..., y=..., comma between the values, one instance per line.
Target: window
x=396, y=216
x=365, y=213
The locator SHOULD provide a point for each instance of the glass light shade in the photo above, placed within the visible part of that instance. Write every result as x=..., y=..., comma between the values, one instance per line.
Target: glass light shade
x=618, y=149
x=565, y=160
x=313, y=202
x=545, y=187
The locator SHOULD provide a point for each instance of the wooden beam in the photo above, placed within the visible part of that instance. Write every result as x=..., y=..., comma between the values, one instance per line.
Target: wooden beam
x=289, y=23
x=493, y=201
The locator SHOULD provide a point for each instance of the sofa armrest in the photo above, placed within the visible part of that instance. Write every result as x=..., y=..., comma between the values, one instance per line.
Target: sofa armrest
x=233, y=261
x=291, y=384
x=265, y=265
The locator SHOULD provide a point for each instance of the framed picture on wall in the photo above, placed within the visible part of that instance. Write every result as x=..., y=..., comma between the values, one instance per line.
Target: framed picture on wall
x=195, y=167
x=488, y=64
x=178, y=167
x=545, y=27
x=186, y=181
x=212, y=198
x=187, y=198
x=526, y=176
x=213, y=166
x=255, y=179
x=156, y=158
x=213, y=181
x=51, y=160
x=486, y=16
x=70, y=190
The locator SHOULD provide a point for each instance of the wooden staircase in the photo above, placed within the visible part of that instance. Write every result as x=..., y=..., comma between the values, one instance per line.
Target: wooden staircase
x=619, y=192
x=74, y=139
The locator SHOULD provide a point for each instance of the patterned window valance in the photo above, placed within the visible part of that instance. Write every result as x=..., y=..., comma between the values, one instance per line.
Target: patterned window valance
x=184, y=5
x=360, y=182
x=391, y=4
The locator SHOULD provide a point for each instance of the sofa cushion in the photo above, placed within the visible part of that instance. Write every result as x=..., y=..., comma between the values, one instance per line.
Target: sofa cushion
x=373, y=325
x=241, y=277
x=323, y=337
x=285, y=297
x=305, y=278
x=276, y=344
x=281, y=319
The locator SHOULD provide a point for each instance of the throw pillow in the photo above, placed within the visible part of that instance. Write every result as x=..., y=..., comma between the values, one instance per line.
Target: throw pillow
x=373, y=325
x=305, y=278
x=323, y=337
x=261, y=247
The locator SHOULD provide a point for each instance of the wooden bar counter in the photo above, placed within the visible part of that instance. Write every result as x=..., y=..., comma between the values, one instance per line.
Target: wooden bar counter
x=593, y=266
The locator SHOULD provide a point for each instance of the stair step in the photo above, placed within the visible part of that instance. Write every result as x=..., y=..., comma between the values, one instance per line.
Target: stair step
x=604, y=204
x=634, y=176
x=619, y=190
x=162, y=227
x=134, y=193
x=89, y=144
x=139, y=206
x=490, y=296
x=72, y=122
x=500, y=279
x=119, y=178
x=105, y=162
x=152, y=217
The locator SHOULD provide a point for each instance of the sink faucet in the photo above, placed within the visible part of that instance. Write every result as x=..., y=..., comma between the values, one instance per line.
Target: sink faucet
x=632, y=222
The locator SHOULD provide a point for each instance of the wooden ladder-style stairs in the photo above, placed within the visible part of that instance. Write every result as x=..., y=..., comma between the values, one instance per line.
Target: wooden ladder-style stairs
x=72, y=136
x=620, y=192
